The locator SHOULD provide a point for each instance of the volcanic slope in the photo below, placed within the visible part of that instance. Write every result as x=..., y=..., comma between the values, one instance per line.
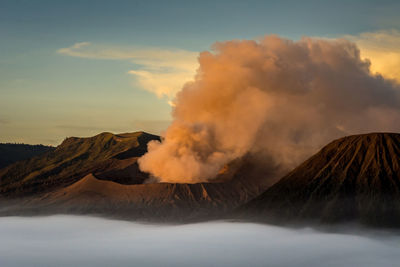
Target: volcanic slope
x=355, y=178
x=152, y=202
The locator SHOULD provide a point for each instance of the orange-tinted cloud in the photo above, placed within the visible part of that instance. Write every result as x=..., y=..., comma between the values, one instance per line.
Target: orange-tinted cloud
x=277, y=96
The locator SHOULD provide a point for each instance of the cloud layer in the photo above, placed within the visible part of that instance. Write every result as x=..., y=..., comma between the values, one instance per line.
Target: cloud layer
x=85, y=241
x=281, y=97
x=162, y=71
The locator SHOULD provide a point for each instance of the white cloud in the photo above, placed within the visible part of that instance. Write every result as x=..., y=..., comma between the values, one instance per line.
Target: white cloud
x=382, y=48
x=73, y=50
x=88, y=241
x=162, y=71
x=162, y=83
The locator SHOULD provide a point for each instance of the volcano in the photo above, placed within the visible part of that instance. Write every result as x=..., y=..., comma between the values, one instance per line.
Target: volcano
x=355, y=178
x=100, y=175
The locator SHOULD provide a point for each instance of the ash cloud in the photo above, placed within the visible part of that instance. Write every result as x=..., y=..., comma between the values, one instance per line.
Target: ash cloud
x=281, y=98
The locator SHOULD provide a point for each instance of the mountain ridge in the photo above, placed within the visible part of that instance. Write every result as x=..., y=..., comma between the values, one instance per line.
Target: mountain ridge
x=74, y=158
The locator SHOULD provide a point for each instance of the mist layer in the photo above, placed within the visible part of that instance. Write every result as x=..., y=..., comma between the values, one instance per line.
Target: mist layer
x=86, y=241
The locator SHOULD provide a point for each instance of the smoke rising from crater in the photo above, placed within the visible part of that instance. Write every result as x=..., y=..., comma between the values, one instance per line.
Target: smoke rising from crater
x=281, y=97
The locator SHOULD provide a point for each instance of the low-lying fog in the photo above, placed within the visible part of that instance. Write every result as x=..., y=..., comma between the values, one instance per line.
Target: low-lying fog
x=89, y=241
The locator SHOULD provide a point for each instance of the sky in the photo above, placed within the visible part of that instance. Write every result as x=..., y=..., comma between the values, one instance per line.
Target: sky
x=78, y=68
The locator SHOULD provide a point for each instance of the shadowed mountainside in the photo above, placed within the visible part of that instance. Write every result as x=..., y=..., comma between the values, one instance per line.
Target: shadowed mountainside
x=355, y=178
x=10, y=153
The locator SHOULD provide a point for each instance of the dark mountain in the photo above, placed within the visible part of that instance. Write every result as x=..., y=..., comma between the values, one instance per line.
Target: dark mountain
x=100, y=175
x=10, y=153
x=355, y=178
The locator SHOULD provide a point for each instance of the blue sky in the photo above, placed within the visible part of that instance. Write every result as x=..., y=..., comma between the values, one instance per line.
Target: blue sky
x=125, y=51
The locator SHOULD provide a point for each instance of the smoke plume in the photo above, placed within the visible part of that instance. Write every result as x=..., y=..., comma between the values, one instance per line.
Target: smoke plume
x=279, y=97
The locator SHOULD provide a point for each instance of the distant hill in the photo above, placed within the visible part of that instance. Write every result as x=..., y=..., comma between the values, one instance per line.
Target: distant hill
x=355, y=178
x=10, y=153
